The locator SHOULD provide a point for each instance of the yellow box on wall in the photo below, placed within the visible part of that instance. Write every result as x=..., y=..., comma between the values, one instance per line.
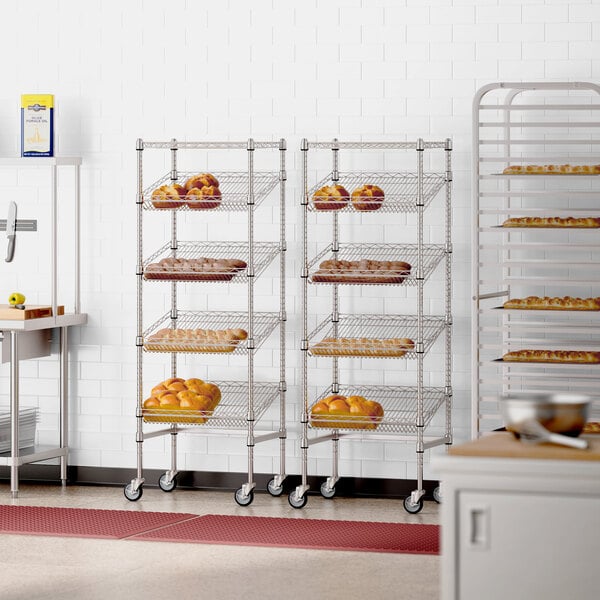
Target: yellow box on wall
x=37, y=125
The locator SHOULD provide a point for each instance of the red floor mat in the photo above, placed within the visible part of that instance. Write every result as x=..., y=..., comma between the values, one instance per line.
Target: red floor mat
x=83, y=522
x=302, y=533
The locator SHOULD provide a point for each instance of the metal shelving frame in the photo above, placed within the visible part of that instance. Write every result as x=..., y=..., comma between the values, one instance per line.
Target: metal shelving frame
x=532, y=123
x=243, y=402
x=408, y=411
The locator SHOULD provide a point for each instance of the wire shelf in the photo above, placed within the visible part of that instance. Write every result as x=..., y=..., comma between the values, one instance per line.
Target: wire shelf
x=432, y=256
x=399, y=406
x=188, y=322
x=230, y=413
x=374, y=336
x=233, y=186
x=400, y=189
x=264, y=254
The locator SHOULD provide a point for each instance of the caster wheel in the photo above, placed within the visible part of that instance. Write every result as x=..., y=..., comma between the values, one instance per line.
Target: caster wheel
x=273, y=489
x=164, y=486
x=437, y=495
x=411, y=508
x=131, y=494
x=327, y=492
x=296, y=502
x=243, y=500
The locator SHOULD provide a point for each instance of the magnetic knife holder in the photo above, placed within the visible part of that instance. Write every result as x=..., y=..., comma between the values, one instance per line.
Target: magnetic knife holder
x=21, y=225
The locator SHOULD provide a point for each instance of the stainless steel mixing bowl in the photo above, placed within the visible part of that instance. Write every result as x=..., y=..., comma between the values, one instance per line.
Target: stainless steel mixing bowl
x=558, y=413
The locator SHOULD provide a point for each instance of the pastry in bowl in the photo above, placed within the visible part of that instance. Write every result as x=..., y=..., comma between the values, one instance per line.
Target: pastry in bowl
x=331, y=197
x=367, y=197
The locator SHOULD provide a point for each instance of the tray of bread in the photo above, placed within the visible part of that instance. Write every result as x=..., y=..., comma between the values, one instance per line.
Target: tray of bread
x=564, y=357
x=366, y=192
x=373, y=336
x=565, y=169
x=208, y=332
x=373, y=264
x=197, y=191
x=566, y=303
x=378, y=408
x=212, y=404
x=208, y=261
x=553, y=222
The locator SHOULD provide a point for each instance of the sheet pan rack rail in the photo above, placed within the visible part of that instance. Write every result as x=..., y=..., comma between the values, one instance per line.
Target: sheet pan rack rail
x=432, y=256
x=369, y=330
x=399, y=404
x=232, y=185
x=186, y=322
x=264, y=253
x=230, y=413
x=401, y=190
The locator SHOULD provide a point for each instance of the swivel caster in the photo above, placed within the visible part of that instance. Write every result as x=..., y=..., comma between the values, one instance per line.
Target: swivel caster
x=327, y=492
x=274, y=490
x=243, y=500
x=296, y=502
x=165, y=485
x=131, y=494
x=437, y=495
x=411, y=508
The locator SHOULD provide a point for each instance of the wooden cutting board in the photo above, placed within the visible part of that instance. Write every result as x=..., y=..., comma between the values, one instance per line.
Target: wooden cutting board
x=9, y=313
x=504, y=444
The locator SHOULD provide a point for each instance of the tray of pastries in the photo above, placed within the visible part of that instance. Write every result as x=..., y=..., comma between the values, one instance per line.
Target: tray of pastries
x=369, y=347
x=178, y=400
x=195, y=269
x=549, y=303
x=583, y=357
x=195, y=340
x=554, y=222
x=361, y=271
x=552, y=170
x=341, y=412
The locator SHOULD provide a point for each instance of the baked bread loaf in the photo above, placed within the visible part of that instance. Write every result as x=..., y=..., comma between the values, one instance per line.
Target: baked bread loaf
x=369, y=347
x=591, y=427
x=557, y=222
x=553, y=356
x=331, y=197
x=548, y=303
x=367, y=197
x=362, y=271
x=195, y=340
x=204, y=198
x=552, y=170
x=176, y=400
x=195, y=269
x=168, y=196
x=201, y=180
x=341, y=412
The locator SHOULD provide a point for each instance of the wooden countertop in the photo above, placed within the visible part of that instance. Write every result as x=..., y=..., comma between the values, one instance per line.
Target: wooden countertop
x=504, y=444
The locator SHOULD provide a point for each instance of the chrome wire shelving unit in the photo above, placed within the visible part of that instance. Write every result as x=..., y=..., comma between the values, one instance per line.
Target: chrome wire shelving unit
x=408, y=410
x=190, y=332
x=520, y=124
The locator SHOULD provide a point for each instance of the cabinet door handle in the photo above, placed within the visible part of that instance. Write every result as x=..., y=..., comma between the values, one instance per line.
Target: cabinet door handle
x=478, y=527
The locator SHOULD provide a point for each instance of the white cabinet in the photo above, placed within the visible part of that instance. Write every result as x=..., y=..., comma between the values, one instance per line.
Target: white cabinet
x=524, y=528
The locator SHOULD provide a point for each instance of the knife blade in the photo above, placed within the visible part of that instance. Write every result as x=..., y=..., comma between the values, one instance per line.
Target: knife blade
x=11, y=227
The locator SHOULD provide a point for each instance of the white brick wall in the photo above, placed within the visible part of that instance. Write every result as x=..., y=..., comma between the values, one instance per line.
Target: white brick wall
x=355, y=69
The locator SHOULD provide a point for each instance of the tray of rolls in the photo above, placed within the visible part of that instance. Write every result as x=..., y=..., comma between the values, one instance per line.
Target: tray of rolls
x=565, y=169
x=194, y=401
x=208, y=332
x=198, y=191
x=385, y=409
x=373, y=264
x=367, y=192
x=208, y=261
x=373, y=336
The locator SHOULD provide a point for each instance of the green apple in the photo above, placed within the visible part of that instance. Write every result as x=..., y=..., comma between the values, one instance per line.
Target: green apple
x=16, y=298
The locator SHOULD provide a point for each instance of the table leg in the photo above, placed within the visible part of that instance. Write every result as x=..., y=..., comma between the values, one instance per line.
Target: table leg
x=64, y=400
x=14, y=413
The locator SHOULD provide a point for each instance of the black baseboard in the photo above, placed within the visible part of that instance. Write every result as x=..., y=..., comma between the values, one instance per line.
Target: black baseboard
x=346, y=487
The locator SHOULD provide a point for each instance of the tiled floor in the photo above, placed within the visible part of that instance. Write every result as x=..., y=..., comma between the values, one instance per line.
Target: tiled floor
x=46, y=568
